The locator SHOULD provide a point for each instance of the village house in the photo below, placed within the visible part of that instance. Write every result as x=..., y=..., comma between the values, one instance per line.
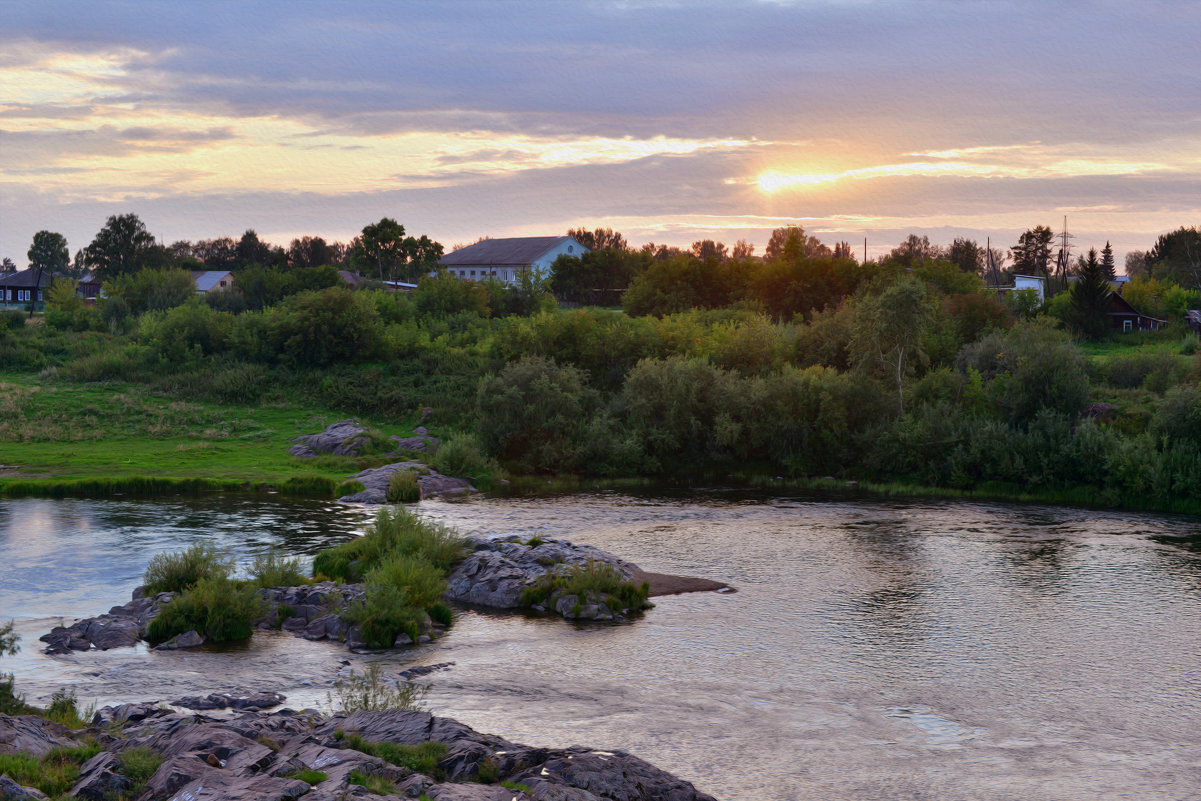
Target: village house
x=505, y=259
x=208, y=280
x=1124, y=317
x=21, y=287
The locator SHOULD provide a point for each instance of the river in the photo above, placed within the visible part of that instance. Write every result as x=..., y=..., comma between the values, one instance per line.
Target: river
x=875, y=649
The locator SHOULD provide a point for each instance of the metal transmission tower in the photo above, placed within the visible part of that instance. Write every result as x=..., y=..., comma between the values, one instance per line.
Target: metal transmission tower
x=1063, y=260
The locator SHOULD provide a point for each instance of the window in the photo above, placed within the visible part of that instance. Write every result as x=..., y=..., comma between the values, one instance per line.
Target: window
x=22, y=294
x=1127, y=325
x=473, y=273
x=571, y=248
x=39, y=296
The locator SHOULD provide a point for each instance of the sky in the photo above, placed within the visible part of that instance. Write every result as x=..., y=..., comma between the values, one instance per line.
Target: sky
x=667, y=121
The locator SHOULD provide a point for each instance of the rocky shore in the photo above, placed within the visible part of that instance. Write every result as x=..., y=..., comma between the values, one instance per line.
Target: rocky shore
x=259, y=756
x=497, y=574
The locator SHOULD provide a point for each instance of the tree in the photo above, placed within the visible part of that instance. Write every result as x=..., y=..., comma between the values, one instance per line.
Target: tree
x=916, y=249
x=742, y=250
x=8, y=640
x=122, y=247
x=252, y=250
x=843, y=250
x=709, y=250
x=49, y=252
x=1136, y=265
x=967, y=255
x=1032, y=253
x=382, y=245
x=1177, y=255
x=1089, y=298
x=792, y=242
x=1107, y=266
x=888, y=332
x=308, y=251
x=599, y=239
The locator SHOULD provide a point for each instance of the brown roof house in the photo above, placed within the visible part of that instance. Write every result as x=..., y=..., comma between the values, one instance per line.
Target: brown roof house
x=19, y=288
x=505, y=259
x=1124, y=317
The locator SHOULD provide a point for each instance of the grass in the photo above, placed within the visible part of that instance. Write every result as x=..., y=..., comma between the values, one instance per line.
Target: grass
x=99, y=439
x=273, y=569
x=54, y=774
x=593, y=577
x=376, y=784
x=420, y=758
x=139, y=764
x=395, y=531
x=403, y=487
x=217, y=607
x=309, y=776
x=508, y=785
x=176, y=572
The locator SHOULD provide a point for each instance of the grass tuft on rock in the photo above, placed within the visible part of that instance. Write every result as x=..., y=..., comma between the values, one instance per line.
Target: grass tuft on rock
x=175, y=572
x=217, y=607
x=375, y=784
x=403, y=487
x=369, y=691
x=273, y=569
x=420, y=758
x=308, y=776
x=593, y=577
x=395, y=531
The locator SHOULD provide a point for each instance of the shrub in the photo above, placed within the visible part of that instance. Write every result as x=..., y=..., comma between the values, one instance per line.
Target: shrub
x=394, y=531
x=461, y=456
x=218, y=608
x=531, y=412
x=175, y=572
x=242, y=384
x=273, y=569
x=368, y=691
x=403, y=487
x=398, y=590
x=64, y=709
x=421, y=583
x=12, y=319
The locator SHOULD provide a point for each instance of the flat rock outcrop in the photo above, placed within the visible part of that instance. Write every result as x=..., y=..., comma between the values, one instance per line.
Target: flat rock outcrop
x=258, y=756
x=497, y=573
x=120, y=627
x=430, y=481
x=351, y=438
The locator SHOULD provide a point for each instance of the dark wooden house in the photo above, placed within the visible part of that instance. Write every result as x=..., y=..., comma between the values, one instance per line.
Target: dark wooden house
x=1124, y=317
x=24, y=287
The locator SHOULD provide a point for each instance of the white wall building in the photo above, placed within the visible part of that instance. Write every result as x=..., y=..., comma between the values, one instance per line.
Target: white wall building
x=504, y=259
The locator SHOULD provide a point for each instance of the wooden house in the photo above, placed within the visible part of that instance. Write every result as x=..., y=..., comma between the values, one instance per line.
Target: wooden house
x=1124, y=317
x=505, y=259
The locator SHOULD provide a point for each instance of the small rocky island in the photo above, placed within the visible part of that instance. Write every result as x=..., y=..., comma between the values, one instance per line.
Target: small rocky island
x=258, y=756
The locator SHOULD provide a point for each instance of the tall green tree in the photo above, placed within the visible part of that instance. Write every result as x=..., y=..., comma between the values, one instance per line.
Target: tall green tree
x=1177, y=256
x=49, y=252
x=382, y=245
x=1107, y=264
x=967, y=255
x=1032, y=253
x=888, y=330
x=599, y=239
x=793, y=243
x=122, y=247
x=1089, y=298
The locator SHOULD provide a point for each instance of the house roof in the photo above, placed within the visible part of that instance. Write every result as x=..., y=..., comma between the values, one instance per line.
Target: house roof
x=26, y=278
x=517, y=251
x=1121, y=307
x=208, y=279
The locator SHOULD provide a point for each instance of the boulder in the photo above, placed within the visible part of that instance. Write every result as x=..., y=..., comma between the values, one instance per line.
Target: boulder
x=100, y=778
x=260, y=700
x=429, y=481
x=120, y=627
x=343, y=438
x=189, y=639
x=11, y=791
x=28, y=734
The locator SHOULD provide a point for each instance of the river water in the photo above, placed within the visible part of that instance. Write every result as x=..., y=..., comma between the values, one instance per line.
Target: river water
x=875, y=650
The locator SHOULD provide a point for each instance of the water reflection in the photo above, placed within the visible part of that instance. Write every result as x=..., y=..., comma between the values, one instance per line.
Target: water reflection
x=875, y=650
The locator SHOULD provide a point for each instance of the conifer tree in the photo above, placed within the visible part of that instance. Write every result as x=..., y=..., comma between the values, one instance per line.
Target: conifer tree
x=1089, y=300
x=1107, y=265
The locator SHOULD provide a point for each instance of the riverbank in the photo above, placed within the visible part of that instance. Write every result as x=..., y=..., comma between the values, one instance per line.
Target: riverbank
x=117, y=439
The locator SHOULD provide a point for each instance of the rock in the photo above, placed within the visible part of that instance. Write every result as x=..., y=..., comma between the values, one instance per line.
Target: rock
x=262, y=700
x=402, y=640
x=32, y=735
x=189, y=639
x=350, y=438
x=498, y=571
x=424, y=670
x=125, y=713
x=11, y=791
x=120, y=627
x=344, y=438
x=100, y=779
x=431, y=483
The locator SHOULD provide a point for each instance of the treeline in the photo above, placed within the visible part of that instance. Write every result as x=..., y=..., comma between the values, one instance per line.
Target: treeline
x=801, y=365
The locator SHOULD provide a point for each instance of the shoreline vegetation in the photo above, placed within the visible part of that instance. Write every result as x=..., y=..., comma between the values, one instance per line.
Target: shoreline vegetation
x=800, y=370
